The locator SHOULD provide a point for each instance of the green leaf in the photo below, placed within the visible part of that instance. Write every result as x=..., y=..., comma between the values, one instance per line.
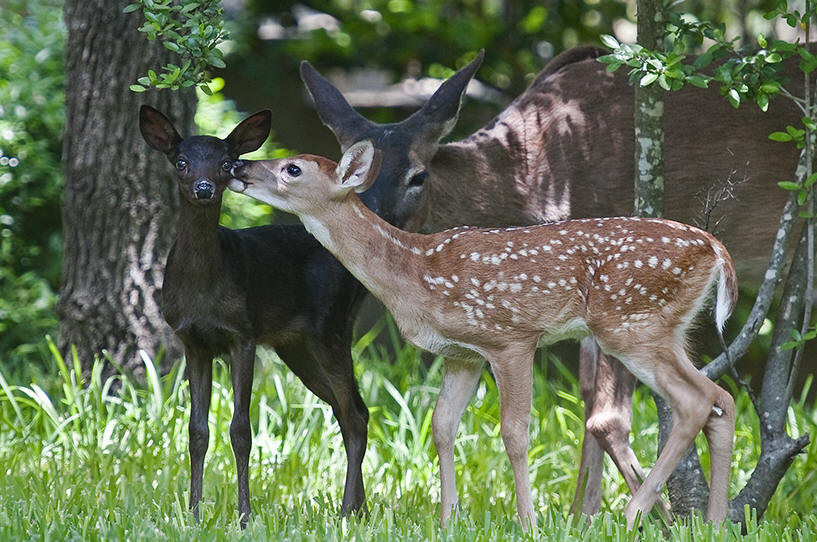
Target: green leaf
x=795, y=133
x=609, y=41
x=805, y=215
x=205, y=89
x=780, y=136
x=762, y=101
x=788, y=185
x=801, y=197
x=811, y=180
x=137, y=88
x=761, y=40
x=699, y=81
x=662, y=81
x=130, y=8
x=734, y=97
x=789, y=345
x=773, y=58
x=805, y=54
x=648, y=79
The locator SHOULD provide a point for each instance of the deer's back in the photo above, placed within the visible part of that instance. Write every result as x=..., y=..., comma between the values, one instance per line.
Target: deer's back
x=564, y=149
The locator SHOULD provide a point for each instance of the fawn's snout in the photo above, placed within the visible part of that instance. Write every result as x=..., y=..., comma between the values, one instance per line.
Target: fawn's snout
x=204, y=189
x=238, y=183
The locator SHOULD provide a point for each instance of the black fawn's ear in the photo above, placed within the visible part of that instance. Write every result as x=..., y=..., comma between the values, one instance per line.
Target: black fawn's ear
x=334, y=111
x=157, y=130
x=250, y=133
x=359, y=166
x=439, y=114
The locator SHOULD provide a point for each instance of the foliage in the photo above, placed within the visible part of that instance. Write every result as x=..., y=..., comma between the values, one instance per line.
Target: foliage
x=107, y=459
x=193, y=29
x=754, y=76
x=31, y=123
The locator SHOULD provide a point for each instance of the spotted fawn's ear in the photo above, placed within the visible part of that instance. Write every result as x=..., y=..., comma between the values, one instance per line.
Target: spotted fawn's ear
x=359, y=166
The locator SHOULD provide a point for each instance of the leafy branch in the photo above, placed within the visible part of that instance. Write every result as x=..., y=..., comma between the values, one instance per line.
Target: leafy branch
x=191, y=28
x=754, y=77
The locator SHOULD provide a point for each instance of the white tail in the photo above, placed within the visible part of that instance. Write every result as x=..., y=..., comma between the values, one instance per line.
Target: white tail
x=633, y=284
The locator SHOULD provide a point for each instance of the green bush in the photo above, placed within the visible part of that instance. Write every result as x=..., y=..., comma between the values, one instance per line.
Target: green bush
x=31, y=120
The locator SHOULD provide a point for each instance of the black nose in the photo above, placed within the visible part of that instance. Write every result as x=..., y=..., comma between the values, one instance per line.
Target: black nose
x=204, y=189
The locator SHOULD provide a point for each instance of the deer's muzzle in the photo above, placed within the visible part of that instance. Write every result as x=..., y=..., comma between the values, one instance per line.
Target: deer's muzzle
x=204, y=189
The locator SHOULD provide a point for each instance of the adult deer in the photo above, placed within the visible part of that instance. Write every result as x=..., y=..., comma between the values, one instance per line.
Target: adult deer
x=225, y=291
x=473, y=294
x=564, y=149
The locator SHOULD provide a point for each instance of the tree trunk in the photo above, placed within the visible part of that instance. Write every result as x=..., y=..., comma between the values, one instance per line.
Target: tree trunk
x=120, y=203
x=649, y=119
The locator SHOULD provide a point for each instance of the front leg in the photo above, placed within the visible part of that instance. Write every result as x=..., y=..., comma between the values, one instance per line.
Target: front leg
x=242, y=362
x=514, y=377
x=200, y=380
x=459, y=381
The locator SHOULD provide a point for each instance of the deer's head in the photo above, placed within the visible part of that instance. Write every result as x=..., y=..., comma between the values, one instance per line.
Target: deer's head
x=203, y=163
x=398, y=192
x=306, y=183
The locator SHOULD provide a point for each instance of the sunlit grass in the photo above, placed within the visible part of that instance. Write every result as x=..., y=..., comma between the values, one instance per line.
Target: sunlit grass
x=107, y=460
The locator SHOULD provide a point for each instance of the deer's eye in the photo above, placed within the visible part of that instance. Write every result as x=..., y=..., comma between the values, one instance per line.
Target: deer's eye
x=226, y=165
x=181, y=163
x=293, y=170
x=418, y=179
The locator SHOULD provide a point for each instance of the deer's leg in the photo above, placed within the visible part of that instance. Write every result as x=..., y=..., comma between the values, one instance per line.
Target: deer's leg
x=514, y=378
x=694, y=399
x=200, y=379
x=720, y=432
x=353, y=418
x=329, y=374
x=611, y=421
x=242, y=364
x=459, y=381
x=588, y=486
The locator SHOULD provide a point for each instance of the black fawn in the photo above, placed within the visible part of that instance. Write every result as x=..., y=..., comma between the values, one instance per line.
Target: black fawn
x=472, y=295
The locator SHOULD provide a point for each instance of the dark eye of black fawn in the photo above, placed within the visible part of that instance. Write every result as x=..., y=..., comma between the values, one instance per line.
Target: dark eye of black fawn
x=418, y=179
x=181, y=163
x=293, y=170
x=226, y=165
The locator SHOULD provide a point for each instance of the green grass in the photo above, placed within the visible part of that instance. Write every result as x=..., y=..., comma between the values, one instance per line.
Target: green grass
x=81, y=462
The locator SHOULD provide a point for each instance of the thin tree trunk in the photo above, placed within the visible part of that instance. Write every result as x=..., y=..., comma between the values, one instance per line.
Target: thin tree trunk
x=119, y=203
x=649, y=119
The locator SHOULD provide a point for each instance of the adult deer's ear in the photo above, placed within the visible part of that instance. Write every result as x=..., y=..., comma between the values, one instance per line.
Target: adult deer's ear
x=439, y=114
x=157, y=130
x=359, y=166
x=334, y=111
x=250, y=133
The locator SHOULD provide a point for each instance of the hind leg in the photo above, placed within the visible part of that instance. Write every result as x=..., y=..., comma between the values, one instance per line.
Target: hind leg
x=693, y=399
x=327, y=371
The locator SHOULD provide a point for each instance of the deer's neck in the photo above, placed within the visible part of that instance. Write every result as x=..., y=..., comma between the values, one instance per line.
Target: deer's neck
x=197, y=249
x=385, y=259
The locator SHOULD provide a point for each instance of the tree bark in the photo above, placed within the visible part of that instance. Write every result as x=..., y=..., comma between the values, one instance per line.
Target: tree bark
x=119, y=203
x=649, y=119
